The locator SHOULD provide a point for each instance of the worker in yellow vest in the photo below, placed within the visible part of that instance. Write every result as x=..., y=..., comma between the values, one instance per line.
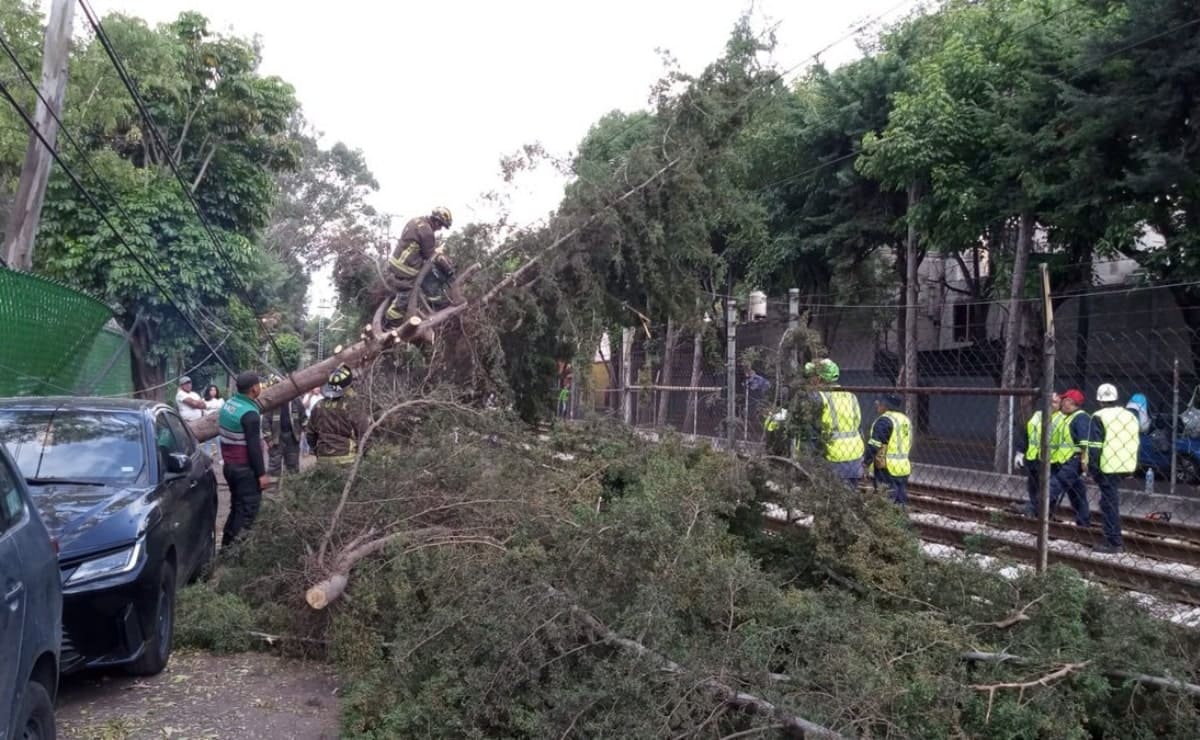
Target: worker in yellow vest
x=841, y=422
x=1030, y=458
x=891, y=441
x=1113, y=452
x=1072, y=448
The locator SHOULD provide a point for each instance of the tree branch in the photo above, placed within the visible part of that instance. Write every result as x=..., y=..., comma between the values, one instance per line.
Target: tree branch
x=798, y=725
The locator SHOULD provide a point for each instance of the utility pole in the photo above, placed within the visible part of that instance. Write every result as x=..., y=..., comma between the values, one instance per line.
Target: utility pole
x=31, y=190
x=911, y=377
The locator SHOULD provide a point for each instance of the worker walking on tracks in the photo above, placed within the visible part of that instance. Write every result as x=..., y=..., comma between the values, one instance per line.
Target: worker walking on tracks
x=1030, y=458
x=841, y=422
x=418, y=245
x=244, y=453
x=891, y=441
x=1114, y=452
x=1073, y=445
x=338, y=423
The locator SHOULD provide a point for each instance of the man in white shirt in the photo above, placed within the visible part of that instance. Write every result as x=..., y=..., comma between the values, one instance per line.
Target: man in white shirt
x=189, y=403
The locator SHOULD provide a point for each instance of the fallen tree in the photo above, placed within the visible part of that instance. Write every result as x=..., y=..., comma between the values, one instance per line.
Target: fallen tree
x=494, y=583
x=375, y=340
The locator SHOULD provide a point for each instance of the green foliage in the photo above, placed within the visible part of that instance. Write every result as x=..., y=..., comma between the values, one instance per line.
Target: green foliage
x=663, y=544
x=207, y=620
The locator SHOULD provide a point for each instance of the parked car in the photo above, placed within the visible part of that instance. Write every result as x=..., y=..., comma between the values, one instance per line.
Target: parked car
x=132, y=502
x=30, y=614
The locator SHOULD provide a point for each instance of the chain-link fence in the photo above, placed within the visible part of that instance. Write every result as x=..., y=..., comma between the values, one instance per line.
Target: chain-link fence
x=58, y=341
x=1123, y=463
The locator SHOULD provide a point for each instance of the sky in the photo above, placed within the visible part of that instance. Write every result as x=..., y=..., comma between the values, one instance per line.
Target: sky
x=435, y=93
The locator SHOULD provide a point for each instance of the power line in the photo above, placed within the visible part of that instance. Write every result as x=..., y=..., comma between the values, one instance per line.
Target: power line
x=104, y=217
x=102, y=36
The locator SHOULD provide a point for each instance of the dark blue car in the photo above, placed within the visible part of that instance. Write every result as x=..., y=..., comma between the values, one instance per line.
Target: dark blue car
x=132, y=501
x=30, y=614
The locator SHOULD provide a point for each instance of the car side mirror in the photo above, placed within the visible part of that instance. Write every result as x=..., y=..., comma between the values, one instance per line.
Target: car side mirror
x=178, y=463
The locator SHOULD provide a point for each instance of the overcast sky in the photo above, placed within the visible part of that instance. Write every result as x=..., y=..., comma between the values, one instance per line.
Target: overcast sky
x=434, y=93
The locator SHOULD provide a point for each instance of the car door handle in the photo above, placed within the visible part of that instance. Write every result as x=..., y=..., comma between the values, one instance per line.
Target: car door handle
x=11, y=595
x=194, y=483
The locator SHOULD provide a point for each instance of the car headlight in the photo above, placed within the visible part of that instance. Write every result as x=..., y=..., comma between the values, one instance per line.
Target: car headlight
x=105, y=566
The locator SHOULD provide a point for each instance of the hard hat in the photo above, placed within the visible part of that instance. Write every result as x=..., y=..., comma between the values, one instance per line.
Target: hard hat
x=1106, y=393
x=441, y=214
x=339, y=380
x=1138, y=400
x=829, y=371
x=809, y=369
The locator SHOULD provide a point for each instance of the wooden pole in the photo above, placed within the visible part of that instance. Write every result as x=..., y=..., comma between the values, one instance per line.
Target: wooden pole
x=31, y=190
x=1043, y=541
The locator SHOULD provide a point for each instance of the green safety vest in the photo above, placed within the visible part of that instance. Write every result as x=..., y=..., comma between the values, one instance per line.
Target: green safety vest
x=841, y=418
x=896, y=455
x=1057, y=439
x=1119, y=448
x=229, y=421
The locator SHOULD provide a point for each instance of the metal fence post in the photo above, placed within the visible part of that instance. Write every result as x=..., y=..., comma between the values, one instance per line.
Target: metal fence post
x=626, y=375
x=731, y=373
x=1174, y=425
x=793, y=326
x=1048, y=353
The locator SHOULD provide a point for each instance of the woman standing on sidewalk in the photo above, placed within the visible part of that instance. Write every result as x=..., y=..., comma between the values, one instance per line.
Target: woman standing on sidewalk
x=213, y=403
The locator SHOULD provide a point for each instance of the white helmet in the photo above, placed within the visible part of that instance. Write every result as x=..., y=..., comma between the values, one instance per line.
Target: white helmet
x=1106, y=393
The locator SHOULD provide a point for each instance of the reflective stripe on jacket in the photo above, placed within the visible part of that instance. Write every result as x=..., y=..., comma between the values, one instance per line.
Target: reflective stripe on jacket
x=1119, y=448
x=841, y=419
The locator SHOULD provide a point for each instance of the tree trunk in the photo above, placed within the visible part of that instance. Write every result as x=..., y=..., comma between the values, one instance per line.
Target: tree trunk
x=148, y=376
x=668, y=365
x=910, y=374
x=1012, y=341
x=31, y=189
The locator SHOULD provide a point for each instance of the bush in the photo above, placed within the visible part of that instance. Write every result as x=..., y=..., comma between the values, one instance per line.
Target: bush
x=220, y=622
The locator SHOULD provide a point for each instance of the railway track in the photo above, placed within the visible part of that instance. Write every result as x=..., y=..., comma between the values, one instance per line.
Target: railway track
x=1161, y=557
x=1135, y=525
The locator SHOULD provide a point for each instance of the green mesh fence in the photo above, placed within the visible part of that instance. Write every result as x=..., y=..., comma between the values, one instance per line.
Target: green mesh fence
x=53, y=341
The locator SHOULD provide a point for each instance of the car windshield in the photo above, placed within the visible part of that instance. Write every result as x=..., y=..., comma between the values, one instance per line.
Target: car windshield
x=78, y=446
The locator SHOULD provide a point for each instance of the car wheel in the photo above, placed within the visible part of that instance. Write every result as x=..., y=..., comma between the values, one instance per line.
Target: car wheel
x=35, y=721
x=161, y=627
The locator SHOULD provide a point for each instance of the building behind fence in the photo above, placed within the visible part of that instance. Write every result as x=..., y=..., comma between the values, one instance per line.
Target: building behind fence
x=58, y=341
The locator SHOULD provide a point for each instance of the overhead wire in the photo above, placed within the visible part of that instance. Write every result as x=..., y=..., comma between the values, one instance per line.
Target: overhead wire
x=4, y=91
x=65, y=131
x=131, y=86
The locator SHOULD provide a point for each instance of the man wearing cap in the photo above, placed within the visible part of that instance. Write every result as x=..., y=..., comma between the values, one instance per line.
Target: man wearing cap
x=191, y=406
x=339, y=422
x=243, y=450
x=891, y=441
x=1075, y=442
x=1114, y=450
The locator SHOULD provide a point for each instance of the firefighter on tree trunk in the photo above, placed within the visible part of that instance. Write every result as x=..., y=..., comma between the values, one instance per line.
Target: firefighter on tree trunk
x=418, y=245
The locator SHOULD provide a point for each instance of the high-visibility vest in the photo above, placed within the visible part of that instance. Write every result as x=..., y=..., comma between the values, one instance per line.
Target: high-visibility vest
x=1033, y=430
x=1062, y=447
x=841, y=418
x=776, y=419
x=1119, y=448
x=229, y=423
x=896, y=453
